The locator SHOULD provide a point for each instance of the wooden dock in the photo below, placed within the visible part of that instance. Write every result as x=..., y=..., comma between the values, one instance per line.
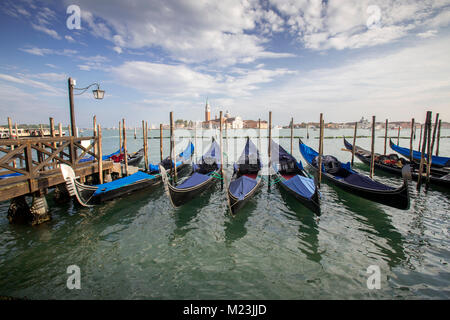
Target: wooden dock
x=31, y=166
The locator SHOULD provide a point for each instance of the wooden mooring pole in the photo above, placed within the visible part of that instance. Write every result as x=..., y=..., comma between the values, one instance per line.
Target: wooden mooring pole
x=100, y=155
x=259, y=134
x=172, y=148
x=372, y=149
x=420, y=139
x=422, y=156
x=144, y=141
x=398, y=136
x=94, y=131
x=125, y=153
x=269, y=151
x=429, y=156
x=319, y=165
x=354, y=142
x=221, y=150
x=411, y=141
x=436, y=122
x=438, y=138
x=292, y=135
x=385, y=135
x=120, y=137
x=430, y=149
x=11, y=137
x=270, y=137
x=161, y=141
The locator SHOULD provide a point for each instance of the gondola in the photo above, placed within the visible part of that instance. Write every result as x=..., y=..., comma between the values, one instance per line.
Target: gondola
x=182, y=163
x=204, y=174
x=392, y=163
x=105, y=157
x=134, y=159
x=90, y=195
x=344, y=177
x=436, y=161
x=292, y=177
x=246, y=177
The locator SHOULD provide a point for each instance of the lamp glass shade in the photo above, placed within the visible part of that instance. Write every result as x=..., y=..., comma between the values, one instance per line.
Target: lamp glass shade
x=98, y=94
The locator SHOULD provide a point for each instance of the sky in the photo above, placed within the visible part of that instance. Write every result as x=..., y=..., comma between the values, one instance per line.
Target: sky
x=345, y=59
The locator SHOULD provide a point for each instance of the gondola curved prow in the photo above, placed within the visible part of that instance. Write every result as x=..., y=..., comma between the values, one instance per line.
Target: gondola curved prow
x=71, y=183
x=165, y=181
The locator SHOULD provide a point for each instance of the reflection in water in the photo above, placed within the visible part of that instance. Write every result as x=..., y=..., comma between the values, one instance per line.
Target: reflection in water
x=187, y=212
x=375, y=219
x=235, y=226
x=308, y=228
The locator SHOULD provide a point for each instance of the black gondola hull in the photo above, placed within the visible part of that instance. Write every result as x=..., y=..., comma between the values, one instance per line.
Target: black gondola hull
x=237, y=204
x=312, y=203
x=182, y=196
x=120, y=192
x=397, y=198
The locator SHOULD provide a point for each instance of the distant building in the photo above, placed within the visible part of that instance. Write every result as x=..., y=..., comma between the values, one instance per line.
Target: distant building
x=253, y=124
x=207, y=111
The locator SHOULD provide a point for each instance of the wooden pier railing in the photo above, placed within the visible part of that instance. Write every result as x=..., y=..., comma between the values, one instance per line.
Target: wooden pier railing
x=33, y=163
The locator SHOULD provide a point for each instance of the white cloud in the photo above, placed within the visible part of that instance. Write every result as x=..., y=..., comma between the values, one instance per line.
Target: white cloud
x=51, y=76
x=427, y=34
x=344, y=24
x=118, y=49
x=69, y=38
x=398, y=86
x=180, y=80
x=46, y=30
x=25, y=80
x=44, y=51
x=190, y=31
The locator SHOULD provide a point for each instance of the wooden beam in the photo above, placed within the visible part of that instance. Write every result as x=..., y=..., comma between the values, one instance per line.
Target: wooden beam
x=372, y=149
x=438, y=138
x=100, y=155
x=354, y=142
x=411, y=141
x=125, y=152
x=385, y=135
x=319, y=166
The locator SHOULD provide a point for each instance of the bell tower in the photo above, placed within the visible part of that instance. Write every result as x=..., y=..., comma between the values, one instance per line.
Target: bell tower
x=207, y=111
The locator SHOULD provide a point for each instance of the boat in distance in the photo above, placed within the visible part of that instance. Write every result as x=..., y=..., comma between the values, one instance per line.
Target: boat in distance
x=344, y=177
x=394, y=164
x=436, y=161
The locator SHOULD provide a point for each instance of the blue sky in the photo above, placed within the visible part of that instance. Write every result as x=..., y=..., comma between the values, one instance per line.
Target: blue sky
x=346, y=59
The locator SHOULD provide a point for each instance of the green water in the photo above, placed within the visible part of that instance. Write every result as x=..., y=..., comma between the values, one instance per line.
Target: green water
x=139, y=247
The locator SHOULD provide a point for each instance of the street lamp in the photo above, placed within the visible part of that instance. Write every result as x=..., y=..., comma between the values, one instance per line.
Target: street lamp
x=98, y=94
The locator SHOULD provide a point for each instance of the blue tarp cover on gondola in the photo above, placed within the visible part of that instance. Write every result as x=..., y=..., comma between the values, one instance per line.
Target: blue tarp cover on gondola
x=301, y=185
x=436, y=160
x=194, y=180
x=242, y=186
x=250, y=154
x=365, y=182
x=186, y=154
x=279, y=154
x=138, y=176
x=351, y=177
x=15, y=174
x=106, y=157
x=213, y=152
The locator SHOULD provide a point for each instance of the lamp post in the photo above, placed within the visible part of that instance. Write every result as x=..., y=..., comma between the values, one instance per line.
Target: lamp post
x=98, y=94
